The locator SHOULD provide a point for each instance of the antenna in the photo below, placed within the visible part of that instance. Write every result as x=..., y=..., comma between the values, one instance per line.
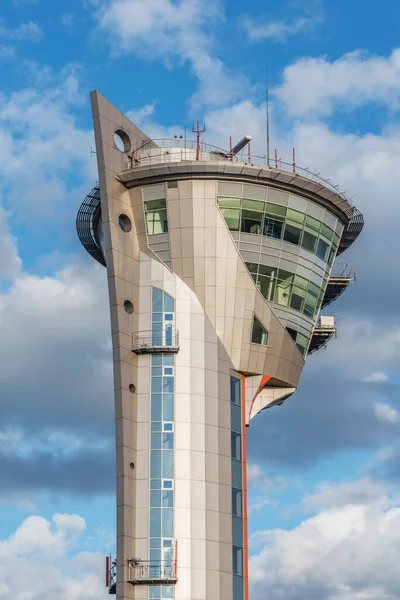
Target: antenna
x=198, y=131
x=267, y=115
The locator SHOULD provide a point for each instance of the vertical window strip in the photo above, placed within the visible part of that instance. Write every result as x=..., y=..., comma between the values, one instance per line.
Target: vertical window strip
x=237, y=489
x=162, y=443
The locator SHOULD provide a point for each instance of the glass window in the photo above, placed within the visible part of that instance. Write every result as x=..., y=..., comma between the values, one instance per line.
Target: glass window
x=300, y=282
x=167, y=484
x=168, y=317
x=252, y=267
x=155, y=498
x=310, y=305
x=156, y=371
x=332, y=254
x=168, y=360
x=168, y=498
x=155, y=484
x=155, y=543
x=155, y=204
x=292, y=333
x=298, y=298
x=168, y=441
x=251, y=221
x=295, y=215
x=157, y=222
x=313, y=289
x=156, y=382
x=309, y=241
x=168, y=426
x=168, y=464
x=237, y=554
x=283, y=287
x=253, y=204
x=154, y=592
x=168, y=407
x=167, y=591
x=236, y=445
x=157, y=304
x=236, y=418
x=327, y=232
x=169, y=303
x=168, y=522
x=156, y=427
x=156, y=441
x=273, y=228
x=237, y=532
x=266, y=285
x=301, y=342
x=168, y=385
x=235, y=390
x=236, y=474
x=259, y=333
x=238, y=588
x=155, y=466
x=156, y=407
x=292, y=234
x=157, y=317
x=232, y=218
x=168, y=370
x=155, y=522
x=275, y=209
x=236, y=502
x=313, y=223
x=232, y=202
x=322, y=249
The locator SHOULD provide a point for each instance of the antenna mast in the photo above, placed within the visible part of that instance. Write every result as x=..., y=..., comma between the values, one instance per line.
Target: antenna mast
x=198, y=131
x=267, y=115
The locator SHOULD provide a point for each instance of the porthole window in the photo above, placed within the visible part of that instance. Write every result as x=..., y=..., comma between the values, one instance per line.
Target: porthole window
x=122, y=141
x=125, y=223
x=128, y=306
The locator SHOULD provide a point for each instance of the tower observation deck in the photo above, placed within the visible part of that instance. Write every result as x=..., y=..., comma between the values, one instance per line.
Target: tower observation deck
x=218, y=266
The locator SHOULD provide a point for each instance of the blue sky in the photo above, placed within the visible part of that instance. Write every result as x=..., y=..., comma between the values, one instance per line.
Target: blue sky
x=324, y=475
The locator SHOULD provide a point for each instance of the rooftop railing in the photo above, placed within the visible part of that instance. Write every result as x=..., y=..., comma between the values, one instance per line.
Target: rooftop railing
x=146, y=156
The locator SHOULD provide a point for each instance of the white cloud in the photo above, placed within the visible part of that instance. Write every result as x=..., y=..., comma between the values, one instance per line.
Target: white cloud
x=279, y=31
x=10, y=263
x=386, y=413
x=347, y=552
x=257, y=479
x=24, y=32
x=39, y=561
x=162, y=29
x=314, y=87
x=328, y=495
x=6, y=52
x=377, y=377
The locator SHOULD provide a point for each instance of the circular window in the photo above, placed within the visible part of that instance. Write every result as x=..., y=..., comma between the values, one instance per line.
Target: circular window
x=128, y=306
x=132, y=465
x=125, y=223
x=122, y=141
x=132, y=388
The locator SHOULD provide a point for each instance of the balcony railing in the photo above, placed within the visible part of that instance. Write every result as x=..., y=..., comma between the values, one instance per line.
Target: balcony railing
x=142, y=572
x=159, y=342
x=341, y=277
x=324, y=331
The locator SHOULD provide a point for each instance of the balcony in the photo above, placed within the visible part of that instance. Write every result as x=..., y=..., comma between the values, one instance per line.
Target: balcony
x=324, y=331
x=159, y=342
x=342, y=276
x=141, y=572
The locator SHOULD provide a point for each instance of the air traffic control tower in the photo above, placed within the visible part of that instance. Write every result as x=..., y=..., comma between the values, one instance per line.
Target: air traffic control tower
x=217, y=266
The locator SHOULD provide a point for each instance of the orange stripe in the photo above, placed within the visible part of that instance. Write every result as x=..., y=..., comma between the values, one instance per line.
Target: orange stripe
x=245, y=518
